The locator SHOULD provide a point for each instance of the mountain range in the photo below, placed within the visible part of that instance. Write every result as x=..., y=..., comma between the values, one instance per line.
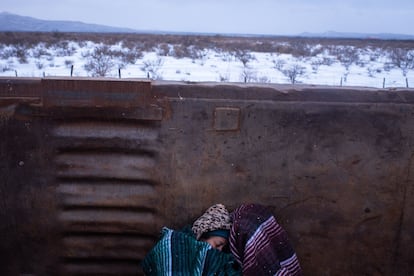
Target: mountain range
x=16, y=23
x=333, y=34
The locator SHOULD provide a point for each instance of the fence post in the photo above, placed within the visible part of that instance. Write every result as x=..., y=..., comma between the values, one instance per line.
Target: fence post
x=340, y=82
x=119, y=72
x=15, y=72
x=406, y=82
x=383, y=83
x=71, y=70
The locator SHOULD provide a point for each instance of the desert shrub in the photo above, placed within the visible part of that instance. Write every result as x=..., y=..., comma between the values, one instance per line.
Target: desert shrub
x=6, y=67
x=180, y=51
x=403, y=59
x=163, y=49
x=300, y=49
x=224, y=78
x=371, y=71
x=21, y=53
x=131, y=56
x=279, y=64
x=283, y=48
x=64, y=48
x=125, y=56
x=293, y=72
x=266, y=47
x=328, y=61
x=347, y=56
x=152, y=68
x=100, y=61
x=39, y=64
x=388, y=66
x=7, y=52
x=68, y=63
x=243, y=56
x=248, y=75
x=196, y=53
x=39, y=51
x=315, y=64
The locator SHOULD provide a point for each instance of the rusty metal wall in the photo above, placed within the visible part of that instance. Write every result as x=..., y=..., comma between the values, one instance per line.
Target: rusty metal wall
x=91, y=169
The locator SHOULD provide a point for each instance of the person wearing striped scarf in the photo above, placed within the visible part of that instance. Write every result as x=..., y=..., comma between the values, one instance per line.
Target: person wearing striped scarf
x=259, y=244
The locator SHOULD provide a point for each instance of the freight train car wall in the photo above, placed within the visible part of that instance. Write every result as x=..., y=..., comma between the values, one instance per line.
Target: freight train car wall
x=91, y=169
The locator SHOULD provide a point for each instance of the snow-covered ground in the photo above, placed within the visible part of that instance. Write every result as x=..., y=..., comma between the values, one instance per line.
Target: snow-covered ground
x=369, y=70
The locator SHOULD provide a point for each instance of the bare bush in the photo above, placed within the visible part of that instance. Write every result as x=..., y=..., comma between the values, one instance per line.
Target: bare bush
x=68, y=63
x=125, y=57
x=40, y=51
x=180, y=51
x=263, y=79
x=21, y=54
x=243, y=56
x=347, y=56
x=6, y=67
x=315, y=65
x=328, y=61
x=7, y=52
x=99, y=62
x=248, y=75
x=403, y=59
x=372, y=71
x=301, y=49
x=197, y=54
x=64, y=48
x=224, y=78
x=279, y=64
x=388, y=66
x=152, y=68
x=163, y=49
x=293, y=72
x=39, y=64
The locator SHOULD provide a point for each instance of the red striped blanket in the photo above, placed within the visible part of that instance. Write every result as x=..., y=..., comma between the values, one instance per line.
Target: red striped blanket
x=260, y=244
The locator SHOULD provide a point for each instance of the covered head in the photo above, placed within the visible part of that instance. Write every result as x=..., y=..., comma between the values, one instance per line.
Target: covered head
x=214, y=222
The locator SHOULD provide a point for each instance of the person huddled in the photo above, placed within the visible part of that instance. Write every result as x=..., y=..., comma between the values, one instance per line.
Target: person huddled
x=259, y=244
x=194, y=252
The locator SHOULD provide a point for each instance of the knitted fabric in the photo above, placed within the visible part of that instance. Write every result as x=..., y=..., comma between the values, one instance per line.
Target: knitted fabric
x=216, y=217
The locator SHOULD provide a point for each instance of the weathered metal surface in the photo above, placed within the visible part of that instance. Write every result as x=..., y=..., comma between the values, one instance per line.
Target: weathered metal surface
x=90, y=170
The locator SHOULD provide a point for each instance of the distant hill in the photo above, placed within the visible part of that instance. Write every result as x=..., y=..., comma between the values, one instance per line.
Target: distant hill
x=333, y=34
x=17, y=23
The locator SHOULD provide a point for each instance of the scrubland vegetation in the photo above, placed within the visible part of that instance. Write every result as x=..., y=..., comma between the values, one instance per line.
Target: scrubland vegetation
x=368, y=62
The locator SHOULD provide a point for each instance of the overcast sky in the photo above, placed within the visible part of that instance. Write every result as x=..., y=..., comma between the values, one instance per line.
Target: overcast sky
x=278, y=17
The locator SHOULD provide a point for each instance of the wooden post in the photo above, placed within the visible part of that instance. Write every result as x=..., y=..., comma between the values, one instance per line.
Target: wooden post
x=119, y=72
x=71, y=70
x=383, y=83
x=406, y=82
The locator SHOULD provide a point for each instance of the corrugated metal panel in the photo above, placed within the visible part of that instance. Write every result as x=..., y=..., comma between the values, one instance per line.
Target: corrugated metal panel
x=107, y=191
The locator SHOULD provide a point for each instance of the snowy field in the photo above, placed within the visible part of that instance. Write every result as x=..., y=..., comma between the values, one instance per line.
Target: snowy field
x=372, y=67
